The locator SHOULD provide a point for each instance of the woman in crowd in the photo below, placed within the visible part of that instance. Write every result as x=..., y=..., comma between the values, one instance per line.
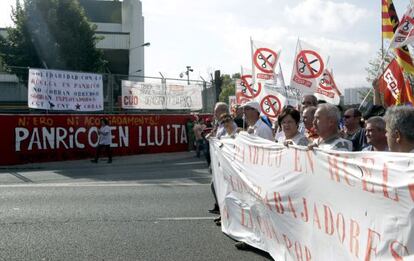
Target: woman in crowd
x=288, y=121
x=229, y=125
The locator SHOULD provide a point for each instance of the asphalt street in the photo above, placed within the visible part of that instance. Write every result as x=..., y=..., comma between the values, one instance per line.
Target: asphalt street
x=144, y=207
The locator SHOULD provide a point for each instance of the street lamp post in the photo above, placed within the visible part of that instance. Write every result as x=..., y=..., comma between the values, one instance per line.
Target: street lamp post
x=188, y=74
x=142, y=45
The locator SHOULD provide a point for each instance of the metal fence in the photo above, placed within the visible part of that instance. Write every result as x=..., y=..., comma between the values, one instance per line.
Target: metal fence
x=13, y=93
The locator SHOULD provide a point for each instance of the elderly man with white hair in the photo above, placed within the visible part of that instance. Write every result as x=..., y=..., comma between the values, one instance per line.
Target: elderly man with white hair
x=400, y=128
x=257, y=126
x=326, y=122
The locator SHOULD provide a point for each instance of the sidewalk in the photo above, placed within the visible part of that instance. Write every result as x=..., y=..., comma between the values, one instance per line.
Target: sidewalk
x=117, y=160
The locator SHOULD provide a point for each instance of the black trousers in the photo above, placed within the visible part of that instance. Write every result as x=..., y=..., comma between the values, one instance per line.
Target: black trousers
x=107, y=150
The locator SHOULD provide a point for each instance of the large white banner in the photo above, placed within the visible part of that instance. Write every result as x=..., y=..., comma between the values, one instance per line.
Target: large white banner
x=153, y=96
x=65, y=90
x=298, y=204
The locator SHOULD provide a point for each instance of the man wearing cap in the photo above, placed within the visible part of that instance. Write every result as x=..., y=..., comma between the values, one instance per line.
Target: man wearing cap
x=256, y=125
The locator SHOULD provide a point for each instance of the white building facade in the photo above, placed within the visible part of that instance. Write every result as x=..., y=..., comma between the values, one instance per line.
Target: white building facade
x=121, y=25
x=353, y=96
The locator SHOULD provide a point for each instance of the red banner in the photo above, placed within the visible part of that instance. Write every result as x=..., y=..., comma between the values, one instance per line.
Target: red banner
x=41, y=138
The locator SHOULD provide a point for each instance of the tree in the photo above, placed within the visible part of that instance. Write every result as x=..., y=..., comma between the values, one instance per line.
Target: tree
x=228, y=87
x=53, y=34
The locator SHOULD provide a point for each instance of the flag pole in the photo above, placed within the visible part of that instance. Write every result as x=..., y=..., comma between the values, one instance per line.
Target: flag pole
x=253, y=69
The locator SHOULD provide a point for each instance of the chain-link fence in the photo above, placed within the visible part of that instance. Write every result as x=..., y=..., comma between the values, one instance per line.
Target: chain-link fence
x=13, y=93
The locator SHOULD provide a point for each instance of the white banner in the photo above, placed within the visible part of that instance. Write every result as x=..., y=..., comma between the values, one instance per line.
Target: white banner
x=404, y=34
x=308, y=68
x=152, y=96
x=64, y=90
x=327, y=89
x=245, y=89
x=264, y=60
x=181, y=97
x=298, y=204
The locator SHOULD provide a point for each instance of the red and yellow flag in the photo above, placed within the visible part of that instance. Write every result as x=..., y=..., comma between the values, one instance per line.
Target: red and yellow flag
x=390, y=24
x=395, y=88
x=390, y=19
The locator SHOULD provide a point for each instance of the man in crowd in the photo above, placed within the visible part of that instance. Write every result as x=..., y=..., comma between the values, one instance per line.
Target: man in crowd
x=326, y=124
x=353, y=130
x=307, y=118
x=257, y=126
x=218, y=131
x=237, y=114
x=218, y=128
x=307, y=101
x=375, y=133
x=400, y=128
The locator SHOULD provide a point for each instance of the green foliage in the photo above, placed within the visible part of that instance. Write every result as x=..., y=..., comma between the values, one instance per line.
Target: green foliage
x=377, y=66
x=53, y=34
x=228, y=87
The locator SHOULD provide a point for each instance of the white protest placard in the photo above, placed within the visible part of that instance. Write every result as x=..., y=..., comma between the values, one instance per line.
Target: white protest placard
x=64, y=90
x=272, y=103
x=308, y=68
x=264, y=59
x=181, y=97
x=153, y=96
x=299, y=204
x=246, y=90
x=139, y=95
x=327, y=89
x=405, y=32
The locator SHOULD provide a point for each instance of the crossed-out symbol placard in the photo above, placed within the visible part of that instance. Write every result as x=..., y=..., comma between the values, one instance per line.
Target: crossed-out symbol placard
x=243, y=100
x=265, y=59
x=249, y=90
x=309, y=64
x=326, y=81
x=271, y=106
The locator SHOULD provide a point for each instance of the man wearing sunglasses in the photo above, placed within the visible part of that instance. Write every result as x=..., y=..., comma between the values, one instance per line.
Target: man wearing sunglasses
x=353, y=130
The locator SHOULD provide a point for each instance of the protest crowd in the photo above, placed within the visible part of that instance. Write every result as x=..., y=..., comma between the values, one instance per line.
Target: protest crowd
x=314, y=124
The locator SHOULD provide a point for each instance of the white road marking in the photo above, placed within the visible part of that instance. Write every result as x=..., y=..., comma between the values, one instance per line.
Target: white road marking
x=99, y=184
x=186, y=218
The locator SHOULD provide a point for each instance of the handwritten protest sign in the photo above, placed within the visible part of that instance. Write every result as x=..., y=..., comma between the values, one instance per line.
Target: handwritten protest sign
x=65, y=90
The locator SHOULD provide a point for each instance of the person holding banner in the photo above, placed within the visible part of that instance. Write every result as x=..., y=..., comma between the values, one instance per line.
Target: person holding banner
x=257, y=126
x=400, y=128
x=229, y=125
x=307, y=118
x=326, y=124
x=288, y=121
x=104, y=141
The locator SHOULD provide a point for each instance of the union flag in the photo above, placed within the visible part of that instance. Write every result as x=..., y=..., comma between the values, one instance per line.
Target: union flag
x=394, y=87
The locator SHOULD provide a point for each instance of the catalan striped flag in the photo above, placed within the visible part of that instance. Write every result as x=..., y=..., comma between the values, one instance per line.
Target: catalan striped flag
x=390, y=19
x=390, y=24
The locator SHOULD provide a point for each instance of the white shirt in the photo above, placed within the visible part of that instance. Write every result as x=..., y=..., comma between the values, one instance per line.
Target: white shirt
x=262, y=130
x=299, y=139
x=334, y=143
x=105, y=135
